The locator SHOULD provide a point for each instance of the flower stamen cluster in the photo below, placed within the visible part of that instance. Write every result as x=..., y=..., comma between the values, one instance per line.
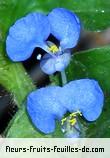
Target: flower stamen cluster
x=72, y=118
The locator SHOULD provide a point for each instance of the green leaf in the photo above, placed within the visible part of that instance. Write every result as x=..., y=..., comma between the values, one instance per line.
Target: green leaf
x=94, y=64
x=21, y=127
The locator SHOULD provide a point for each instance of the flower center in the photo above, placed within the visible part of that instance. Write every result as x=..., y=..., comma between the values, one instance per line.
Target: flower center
x=72, y=118
x=52, y=47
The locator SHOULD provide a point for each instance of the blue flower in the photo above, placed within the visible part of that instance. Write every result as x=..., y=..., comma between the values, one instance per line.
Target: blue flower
x=33, y=31
x=48, y=104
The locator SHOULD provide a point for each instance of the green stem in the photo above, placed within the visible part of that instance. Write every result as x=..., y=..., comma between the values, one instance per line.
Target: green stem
x=63, y=77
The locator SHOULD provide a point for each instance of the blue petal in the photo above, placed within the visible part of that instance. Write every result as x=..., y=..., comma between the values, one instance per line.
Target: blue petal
x=44, y=107
x=50, y=64
x=26, y=34
x=92, y=114
x=42, y=121
x=65, y=26
x=84, y=95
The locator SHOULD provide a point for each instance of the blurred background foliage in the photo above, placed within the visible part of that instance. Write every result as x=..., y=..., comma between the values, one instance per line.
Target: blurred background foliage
x=18, y=81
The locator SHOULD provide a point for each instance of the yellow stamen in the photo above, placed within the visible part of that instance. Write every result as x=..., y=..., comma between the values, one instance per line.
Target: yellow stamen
x=72, y=121
x=54, y=49
x=63, y=120
x=75, y=113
